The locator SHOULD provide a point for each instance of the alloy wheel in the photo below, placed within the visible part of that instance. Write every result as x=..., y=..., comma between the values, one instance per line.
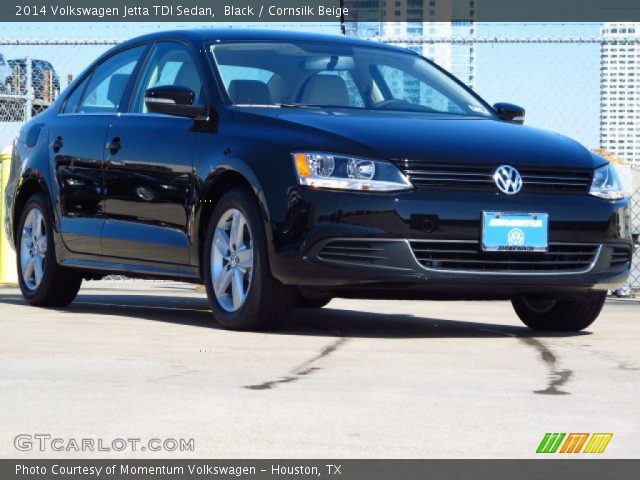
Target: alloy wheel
x=232, y=260
x=33, y=249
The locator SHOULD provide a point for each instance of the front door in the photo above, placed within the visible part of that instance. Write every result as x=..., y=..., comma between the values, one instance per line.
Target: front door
x=149, y=181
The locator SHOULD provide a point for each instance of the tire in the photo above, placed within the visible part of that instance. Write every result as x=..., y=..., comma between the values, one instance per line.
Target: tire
x=265, y=302
x=317, y=302
x=560, y=315
x=44, y=283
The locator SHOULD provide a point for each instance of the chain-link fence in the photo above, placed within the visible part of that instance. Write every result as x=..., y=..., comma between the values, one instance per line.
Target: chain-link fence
x=34, y=72
x=561, y=81
x=557, y=79
x=630, y=175
x=30, y=86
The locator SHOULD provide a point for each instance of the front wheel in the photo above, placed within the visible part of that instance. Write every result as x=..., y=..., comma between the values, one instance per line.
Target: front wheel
x=559, y=315
x=241, y=290
x=43, y=282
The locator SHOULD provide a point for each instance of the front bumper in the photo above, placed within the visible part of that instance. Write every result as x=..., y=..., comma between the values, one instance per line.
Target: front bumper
x=400, y=268
x=394, y=225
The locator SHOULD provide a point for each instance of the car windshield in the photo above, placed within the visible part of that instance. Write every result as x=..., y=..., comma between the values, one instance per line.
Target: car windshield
x=333, y=75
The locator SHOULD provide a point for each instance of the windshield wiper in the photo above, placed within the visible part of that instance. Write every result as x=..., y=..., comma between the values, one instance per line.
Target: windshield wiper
x=298, y=105
x=315, y=105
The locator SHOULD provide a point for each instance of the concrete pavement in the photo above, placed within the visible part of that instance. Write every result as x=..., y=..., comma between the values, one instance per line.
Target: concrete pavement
x=356, y=379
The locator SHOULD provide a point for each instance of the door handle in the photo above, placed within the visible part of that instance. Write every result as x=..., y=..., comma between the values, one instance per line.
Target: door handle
x=57, y=144
x=114, y=145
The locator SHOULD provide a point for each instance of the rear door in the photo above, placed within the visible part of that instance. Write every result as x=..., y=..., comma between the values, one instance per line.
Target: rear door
x=149, y=169
x=77, y=146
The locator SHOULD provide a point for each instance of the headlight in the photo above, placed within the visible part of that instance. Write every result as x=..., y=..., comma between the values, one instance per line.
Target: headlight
x=332, y=170
x=606, y=183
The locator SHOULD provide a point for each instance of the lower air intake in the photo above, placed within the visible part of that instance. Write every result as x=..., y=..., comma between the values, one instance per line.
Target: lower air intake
x=468, y=256
x=352, y=251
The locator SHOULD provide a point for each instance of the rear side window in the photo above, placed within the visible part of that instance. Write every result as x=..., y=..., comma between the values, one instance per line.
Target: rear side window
x=71, y=105
x=107, y=83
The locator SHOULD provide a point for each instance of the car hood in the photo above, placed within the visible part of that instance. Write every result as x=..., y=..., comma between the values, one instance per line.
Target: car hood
x=432, y=137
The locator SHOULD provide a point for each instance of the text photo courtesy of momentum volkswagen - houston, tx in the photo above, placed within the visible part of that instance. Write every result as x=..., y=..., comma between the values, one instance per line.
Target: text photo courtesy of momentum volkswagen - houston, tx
x=306, y=239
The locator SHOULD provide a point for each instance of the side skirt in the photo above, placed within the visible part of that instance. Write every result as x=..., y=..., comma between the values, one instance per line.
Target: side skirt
x=148, y=270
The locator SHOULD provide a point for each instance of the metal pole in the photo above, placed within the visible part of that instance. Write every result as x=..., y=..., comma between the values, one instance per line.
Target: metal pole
x=28, y=104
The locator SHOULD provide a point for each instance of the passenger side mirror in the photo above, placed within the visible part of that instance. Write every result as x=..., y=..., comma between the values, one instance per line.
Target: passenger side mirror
x=510, y=113
x=172, y=100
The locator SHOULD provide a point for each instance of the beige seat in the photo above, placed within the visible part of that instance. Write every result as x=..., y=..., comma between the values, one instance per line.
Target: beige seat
x=326, y=90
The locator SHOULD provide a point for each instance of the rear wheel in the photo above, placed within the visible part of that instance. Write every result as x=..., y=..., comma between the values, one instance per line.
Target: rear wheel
x=241, y=290
x=559, y=315
x=43, y=282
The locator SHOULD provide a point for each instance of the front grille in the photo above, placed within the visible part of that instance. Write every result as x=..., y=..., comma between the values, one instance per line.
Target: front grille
x=467, y=255
x=473, y=177
x=352, y=251
x=620, y=256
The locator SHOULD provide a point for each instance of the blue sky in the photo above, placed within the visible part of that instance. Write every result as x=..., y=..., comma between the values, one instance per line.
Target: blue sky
x=558, y=84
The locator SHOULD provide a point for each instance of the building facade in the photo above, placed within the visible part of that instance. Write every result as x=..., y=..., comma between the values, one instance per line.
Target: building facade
x=620, y=90
x=416, y=20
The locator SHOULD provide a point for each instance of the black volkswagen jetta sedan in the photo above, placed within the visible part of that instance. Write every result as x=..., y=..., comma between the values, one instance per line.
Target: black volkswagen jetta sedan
x=283, y=168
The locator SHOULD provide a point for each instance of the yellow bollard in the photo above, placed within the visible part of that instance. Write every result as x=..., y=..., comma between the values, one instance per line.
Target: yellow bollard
x=8, y=272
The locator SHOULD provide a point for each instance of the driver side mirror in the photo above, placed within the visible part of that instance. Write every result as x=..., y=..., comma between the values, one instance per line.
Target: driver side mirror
x=510, y=113
x=172, y=100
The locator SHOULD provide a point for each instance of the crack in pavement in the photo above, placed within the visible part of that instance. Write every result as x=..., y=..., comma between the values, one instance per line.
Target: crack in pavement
x=620, y=364
x=557, y=377
x=304, y=369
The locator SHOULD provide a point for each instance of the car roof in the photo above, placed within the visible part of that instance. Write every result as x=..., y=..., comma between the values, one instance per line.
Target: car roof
x=198, y=36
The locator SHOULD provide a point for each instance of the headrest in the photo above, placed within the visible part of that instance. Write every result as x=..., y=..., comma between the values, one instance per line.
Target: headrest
x=117, y=84
x=249, y=91
x=326, y=90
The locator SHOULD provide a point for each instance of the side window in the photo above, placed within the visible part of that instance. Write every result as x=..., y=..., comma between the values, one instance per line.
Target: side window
x=170, y=64
x=407, y=88
x=108, y=82
x=71, y=105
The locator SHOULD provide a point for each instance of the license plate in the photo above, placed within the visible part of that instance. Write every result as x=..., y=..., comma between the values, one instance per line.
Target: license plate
x=515, y=232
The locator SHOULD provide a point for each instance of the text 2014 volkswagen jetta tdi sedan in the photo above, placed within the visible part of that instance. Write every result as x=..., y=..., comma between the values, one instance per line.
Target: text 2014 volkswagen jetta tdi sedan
x=283, y=168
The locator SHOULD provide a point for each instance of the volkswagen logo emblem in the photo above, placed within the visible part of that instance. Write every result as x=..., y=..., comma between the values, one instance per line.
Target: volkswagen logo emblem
x=515, y=237
x=508, y=179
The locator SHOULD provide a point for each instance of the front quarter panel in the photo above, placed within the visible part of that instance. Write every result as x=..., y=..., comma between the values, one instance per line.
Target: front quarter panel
x=260, y=157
